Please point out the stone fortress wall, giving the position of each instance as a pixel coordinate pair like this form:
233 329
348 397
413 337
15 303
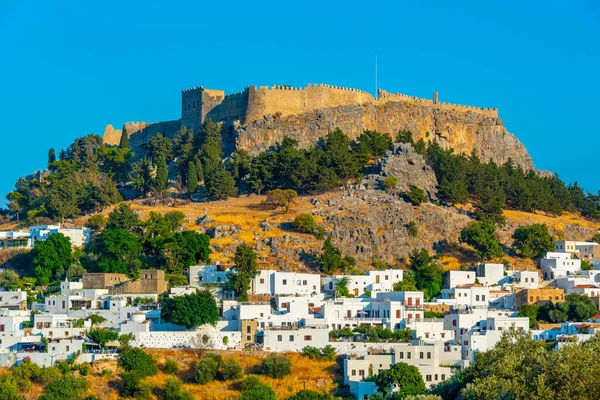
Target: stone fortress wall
254 102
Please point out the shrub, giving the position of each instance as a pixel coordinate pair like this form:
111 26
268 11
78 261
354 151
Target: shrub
65 388
412 229
138 361
390 183
276 366
206 370
305 223
231 369
170 366
254 389
310 395
174 391
320 234
415 196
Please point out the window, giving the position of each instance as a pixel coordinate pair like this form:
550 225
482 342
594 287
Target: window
409 316
421 355
361 372
428 378
397 313
304 283
279 338
401 355
285 281
483 297
262 314
262 280
435 377
353 372
298 282
476 297
308 338
453 322
443 334
291 338
68 348
1 328
349 313
408 356
248 329
248 338
429 355
443 377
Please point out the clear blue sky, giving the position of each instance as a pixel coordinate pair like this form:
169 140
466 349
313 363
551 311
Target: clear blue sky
70 67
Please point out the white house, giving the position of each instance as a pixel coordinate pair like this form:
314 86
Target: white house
295 339
454 278
291 283
491 274
558 265
360 285
584 250
526 279
207 274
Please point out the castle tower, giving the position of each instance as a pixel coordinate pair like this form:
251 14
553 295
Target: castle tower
435 98
197 102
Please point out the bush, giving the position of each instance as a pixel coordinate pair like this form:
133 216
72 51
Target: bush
206 370
66 388
390 183
412 229
305 223
415 196
310 395
174 391
97 222
138 361
231 369
170 366
276 366
254 389
326 353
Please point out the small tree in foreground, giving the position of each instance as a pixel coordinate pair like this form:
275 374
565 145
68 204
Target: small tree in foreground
231 369
276 366
406 378
305 223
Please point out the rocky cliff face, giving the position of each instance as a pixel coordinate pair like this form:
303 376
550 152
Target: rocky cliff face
409 167
461 130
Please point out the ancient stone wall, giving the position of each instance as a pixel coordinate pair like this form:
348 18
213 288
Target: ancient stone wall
102 280
233 107
286 100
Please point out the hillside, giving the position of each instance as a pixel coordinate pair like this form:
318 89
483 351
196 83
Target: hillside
365 224
306 374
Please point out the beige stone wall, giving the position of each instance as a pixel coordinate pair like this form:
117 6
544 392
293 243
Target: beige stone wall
102 280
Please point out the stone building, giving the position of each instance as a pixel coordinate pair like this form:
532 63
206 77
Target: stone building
149 282
539 296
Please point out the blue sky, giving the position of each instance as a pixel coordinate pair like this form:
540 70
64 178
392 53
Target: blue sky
69 67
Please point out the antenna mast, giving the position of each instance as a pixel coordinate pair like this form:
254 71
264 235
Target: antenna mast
376 86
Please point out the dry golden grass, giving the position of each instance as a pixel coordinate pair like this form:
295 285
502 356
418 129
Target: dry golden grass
556 224
306 373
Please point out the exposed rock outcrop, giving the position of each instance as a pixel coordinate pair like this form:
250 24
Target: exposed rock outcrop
409 167
461 130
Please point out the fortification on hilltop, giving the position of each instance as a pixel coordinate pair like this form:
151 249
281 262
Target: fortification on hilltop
259 117
255 102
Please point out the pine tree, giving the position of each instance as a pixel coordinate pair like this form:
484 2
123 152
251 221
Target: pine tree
211 147
192 178
162 174
124 142
51 156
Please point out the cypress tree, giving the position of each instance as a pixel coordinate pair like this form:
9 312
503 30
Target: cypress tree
51 156
199 170
162 174
192 178
124 142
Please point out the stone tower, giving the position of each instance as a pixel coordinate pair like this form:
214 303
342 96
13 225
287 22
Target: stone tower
197 102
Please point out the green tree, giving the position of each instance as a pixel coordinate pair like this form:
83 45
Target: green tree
102 336
162 174
415 196
123 217
310 395
491 203
119 251
405 378
341 288
51 157
206 370
221 184
404 136
481 236
428 275
533 241
281 198
390 183
412 229
192 178
254 389
331 258
66 388
142 176
407 284
96 223
586 265
530 311
190 310
276 366
305 223
138 361
174 390
231 369
211 147
52 257
8 279
124 141
246 265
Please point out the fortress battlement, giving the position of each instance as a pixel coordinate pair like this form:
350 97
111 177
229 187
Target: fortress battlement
255 102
